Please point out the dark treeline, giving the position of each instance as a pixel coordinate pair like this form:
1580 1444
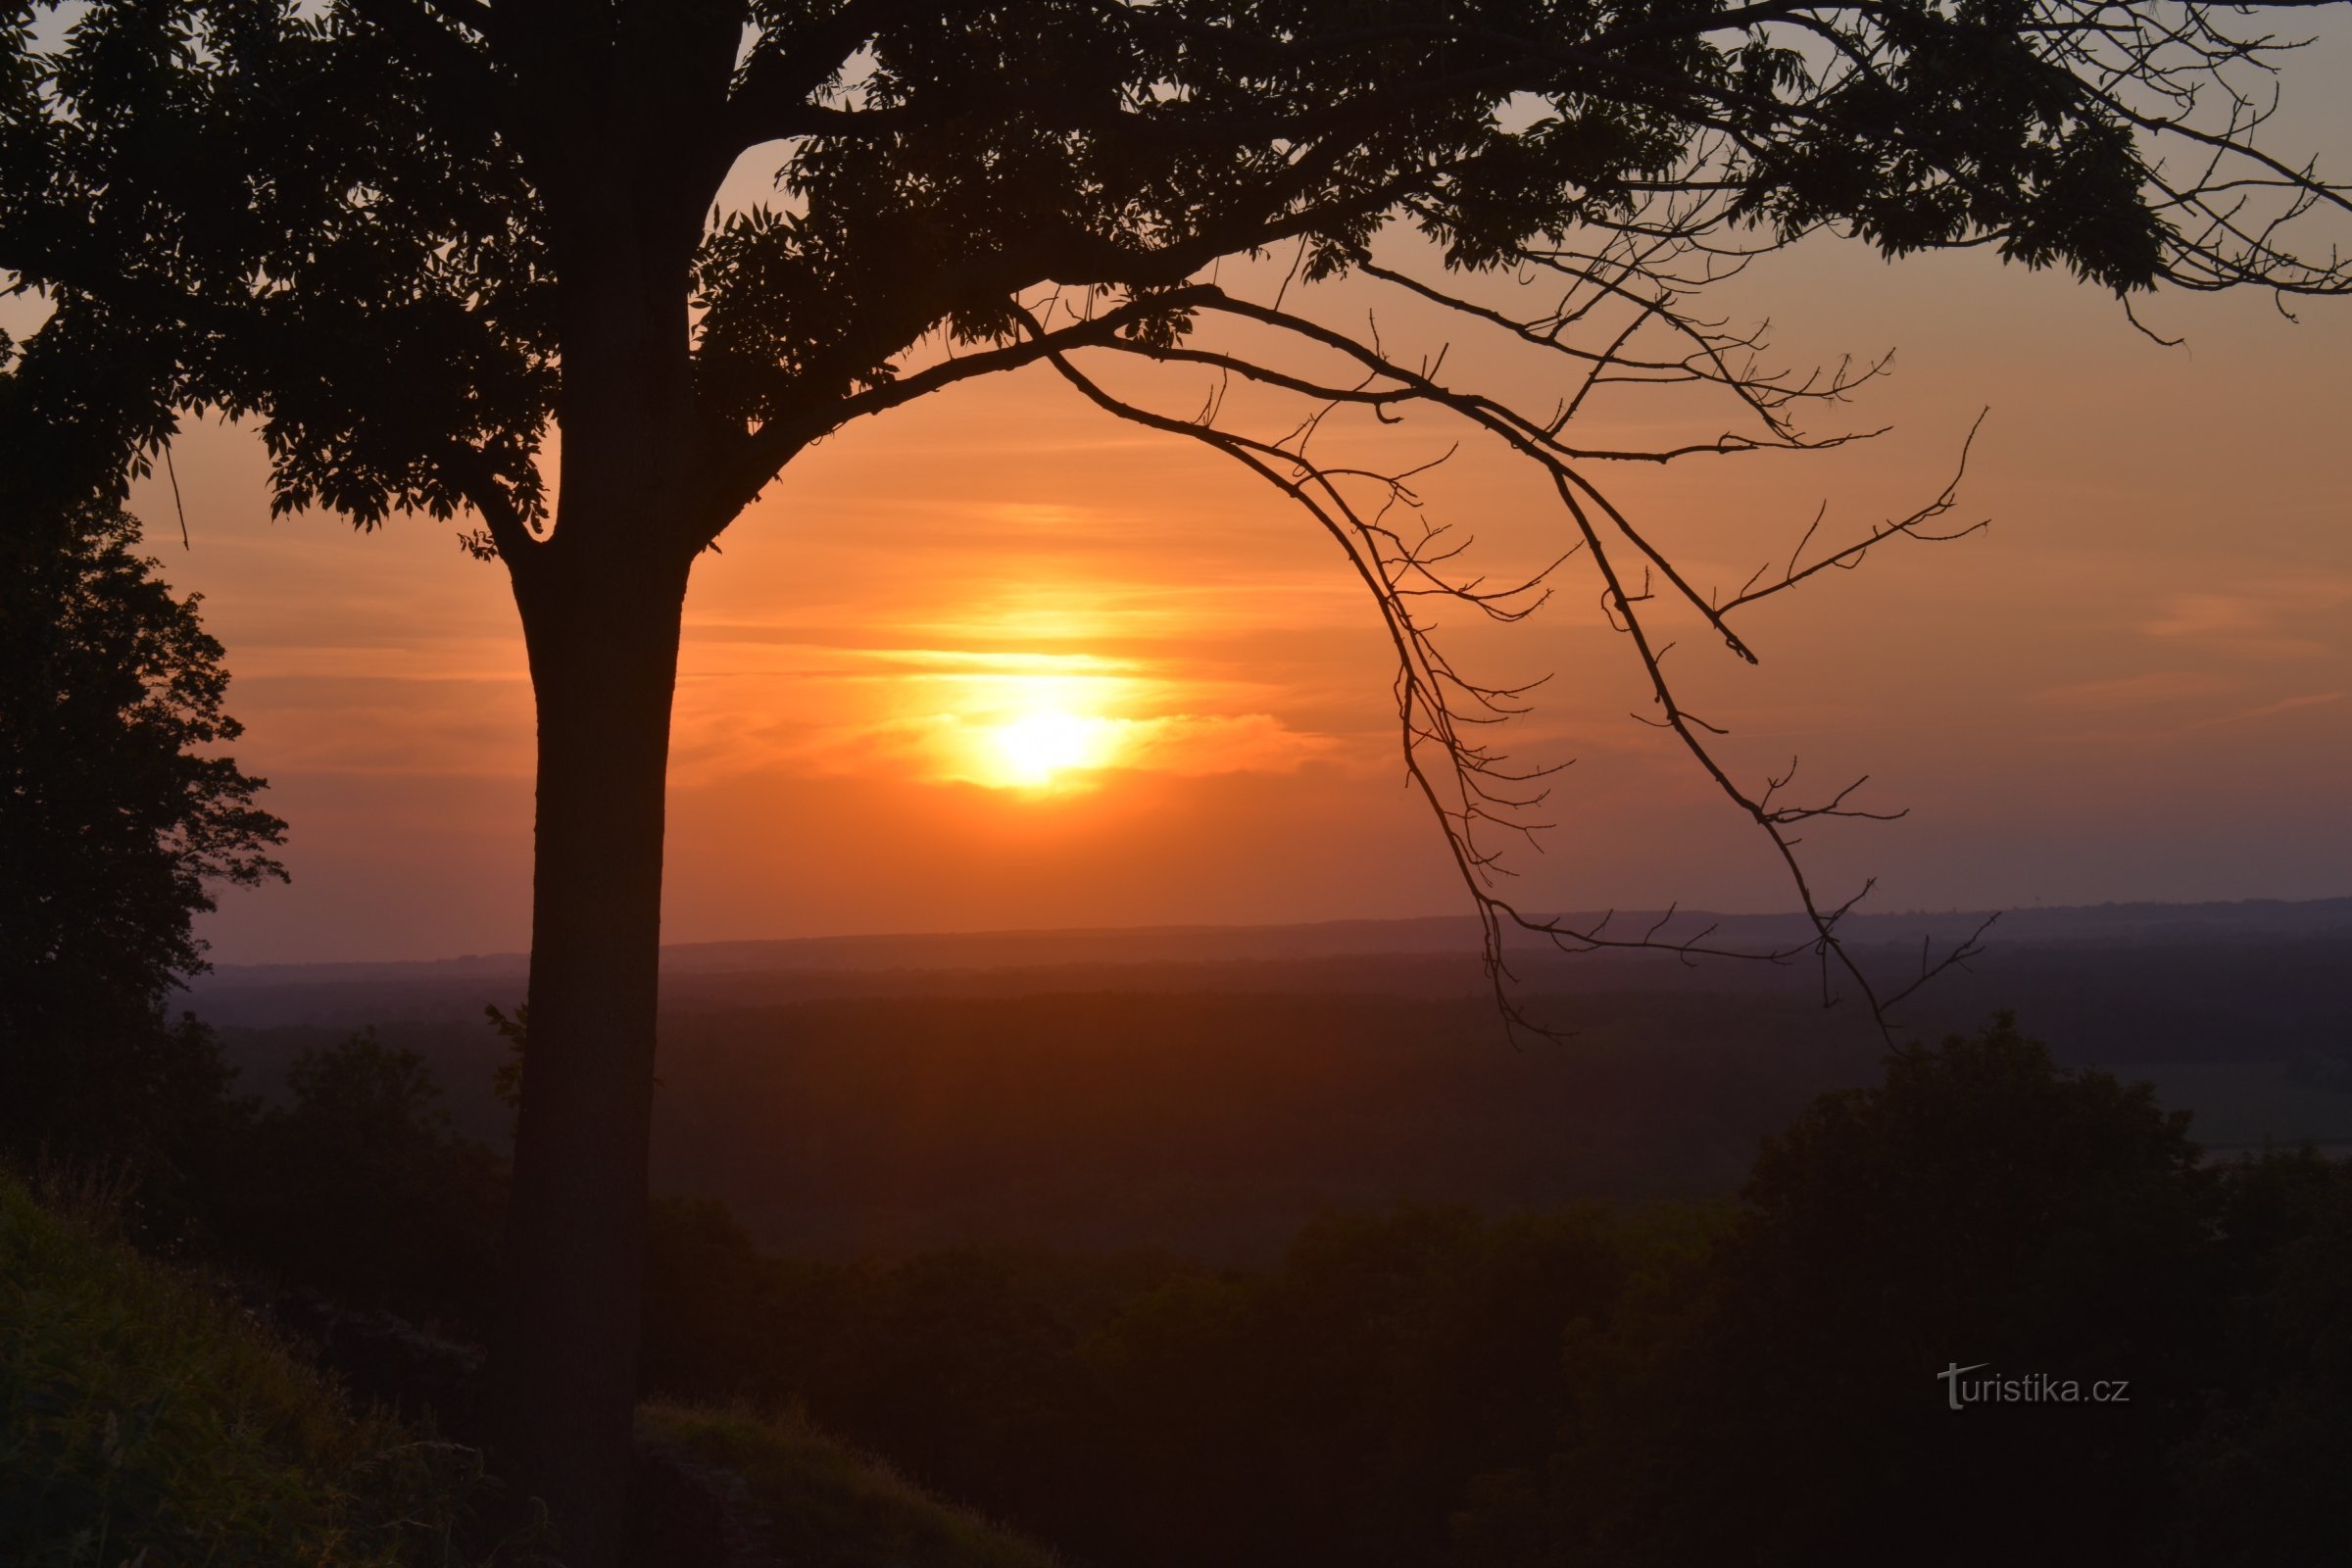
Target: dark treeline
1209 1124
1216 1122
1751 1379
348 1182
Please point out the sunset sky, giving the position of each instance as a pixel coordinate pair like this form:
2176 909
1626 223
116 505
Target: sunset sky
2134 685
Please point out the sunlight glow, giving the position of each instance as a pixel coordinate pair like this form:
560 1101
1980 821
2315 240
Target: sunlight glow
1022 727
1036 749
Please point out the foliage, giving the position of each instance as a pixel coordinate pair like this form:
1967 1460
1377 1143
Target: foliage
116 815
816 1501
234 204
143 1106
1686 1383
144 1419
1335 1408
1340 1406
118 819
506 1082
1981 1208
2263 1474
961 1366
359 1188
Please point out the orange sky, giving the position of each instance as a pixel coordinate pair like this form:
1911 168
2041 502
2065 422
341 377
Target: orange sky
2134 685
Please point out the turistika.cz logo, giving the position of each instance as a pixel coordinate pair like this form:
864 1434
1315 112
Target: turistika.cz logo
2030 1387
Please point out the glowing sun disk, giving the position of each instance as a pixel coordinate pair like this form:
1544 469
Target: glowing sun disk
1038 746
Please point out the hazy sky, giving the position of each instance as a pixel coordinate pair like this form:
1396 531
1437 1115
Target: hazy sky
2134 685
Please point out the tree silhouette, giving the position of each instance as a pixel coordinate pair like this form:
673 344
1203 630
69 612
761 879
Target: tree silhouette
1980 1207
359 1187
410 238
117 817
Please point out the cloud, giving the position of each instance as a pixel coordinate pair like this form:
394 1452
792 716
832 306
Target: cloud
2284 704
2276 618
2156 688
1195 746
941 713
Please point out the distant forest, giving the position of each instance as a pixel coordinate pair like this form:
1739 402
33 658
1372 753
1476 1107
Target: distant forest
1213 1105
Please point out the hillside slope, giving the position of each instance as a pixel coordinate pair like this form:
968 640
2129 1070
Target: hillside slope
145 1418
796 1495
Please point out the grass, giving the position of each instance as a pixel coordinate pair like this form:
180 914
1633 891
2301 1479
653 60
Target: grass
148 1422
144 1419
820 1502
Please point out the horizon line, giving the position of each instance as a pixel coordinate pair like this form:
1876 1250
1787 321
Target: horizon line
1467 919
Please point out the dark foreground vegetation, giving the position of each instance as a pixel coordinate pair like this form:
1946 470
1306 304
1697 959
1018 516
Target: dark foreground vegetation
151 1418
1753 1379
143 1418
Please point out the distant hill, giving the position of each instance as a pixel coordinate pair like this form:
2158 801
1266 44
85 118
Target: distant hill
1446 947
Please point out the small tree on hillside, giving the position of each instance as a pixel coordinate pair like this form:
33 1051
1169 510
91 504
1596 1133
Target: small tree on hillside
409 237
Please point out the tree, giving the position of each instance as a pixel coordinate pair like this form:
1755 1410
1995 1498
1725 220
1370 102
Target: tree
2259 1481
411 237
359 1186
1980 1207
118 817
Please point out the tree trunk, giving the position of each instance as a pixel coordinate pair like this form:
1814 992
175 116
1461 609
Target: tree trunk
602 600
600 620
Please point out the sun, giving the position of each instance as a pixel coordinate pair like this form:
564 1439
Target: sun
1037 731
1042 745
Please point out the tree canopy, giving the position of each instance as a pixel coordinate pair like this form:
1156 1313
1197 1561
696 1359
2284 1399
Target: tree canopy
352 221
119 815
